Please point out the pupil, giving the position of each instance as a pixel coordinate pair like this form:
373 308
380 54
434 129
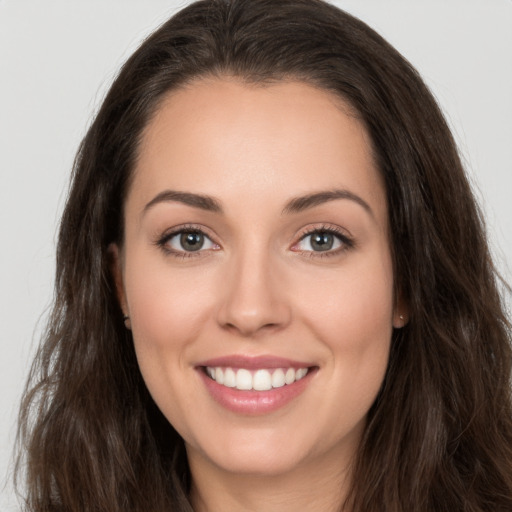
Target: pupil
192 241
322 241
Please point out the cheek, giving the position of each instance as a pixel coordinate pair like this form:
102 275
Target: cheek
354 307
352 315
167 307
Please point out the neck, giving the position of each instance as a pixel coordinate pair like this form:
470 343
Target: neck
320 486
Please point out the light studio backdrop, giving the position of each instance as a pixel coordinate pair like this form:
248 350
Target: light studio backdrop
57 59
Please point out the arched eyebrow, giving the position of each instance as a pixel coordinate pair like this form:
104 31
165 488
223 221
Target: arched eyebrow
200 201
295 205
299 204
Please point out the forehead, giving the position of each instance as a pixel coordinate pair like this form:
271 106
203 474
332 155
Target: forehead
222 137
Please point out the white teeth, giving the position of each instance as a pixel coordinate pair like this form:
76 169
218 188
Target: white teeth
243 379
300 373
219 375
260 380
278 378
229 378
289 376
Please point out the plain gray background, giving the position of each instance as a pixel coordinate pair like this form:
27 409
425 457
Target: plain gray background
57 59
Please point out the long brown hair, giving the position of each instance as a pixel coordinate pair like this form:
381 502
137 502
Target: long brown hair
438 437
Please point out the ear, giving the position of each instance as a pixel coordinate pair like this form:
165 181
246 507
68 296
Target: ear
116 270
400 313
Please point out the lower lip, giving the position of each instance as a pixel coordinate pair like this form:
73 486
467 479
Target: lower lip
255 402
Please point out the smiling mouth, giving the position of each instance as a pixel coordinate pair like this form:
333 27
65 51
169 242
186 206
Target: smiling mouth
255 380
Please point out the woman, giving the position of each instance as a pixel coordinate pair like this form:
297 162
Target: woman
273 286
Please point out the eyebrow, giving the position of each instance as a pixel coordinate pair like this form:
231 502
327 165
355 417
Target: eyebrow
202 202
295 205
302 203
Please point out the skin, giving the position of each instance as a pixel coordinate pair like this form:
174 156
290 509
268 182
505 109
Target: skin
258 288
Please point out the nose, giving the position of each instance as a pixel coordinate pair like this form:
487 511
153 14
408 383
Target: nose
255 298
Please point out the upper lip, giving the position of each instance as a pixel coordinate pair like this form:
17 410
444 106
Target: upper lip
254 362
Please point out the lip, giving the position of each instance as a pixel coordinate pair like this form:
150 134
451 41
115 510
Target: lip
252 402
255 362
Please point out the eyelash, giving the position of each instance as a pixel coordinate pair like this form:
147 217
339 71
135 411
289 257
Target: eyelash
346 242
186 229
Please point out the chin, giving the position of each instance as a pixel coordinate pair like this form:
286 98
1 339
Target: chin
274 452
257 463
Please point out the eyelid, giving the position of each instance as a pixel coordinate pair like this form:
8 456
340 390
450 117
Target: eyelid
346 240
163 239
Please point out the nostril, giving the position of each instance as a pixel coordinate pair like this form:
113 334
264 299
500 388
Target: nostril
250 329
252 307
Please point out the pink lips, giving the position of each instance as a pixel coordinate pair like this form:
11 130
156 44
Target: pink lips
255 362
253 402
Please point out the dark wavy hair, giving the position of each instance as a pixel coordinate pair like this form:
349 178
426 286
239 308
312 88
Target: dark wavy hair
439 435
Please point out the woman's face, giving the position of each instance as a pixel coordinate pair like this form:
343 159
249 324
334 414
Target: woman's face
257 275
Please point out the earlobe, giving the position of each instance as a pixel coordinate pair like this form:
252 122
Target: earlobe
401 313
116 271
400 320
